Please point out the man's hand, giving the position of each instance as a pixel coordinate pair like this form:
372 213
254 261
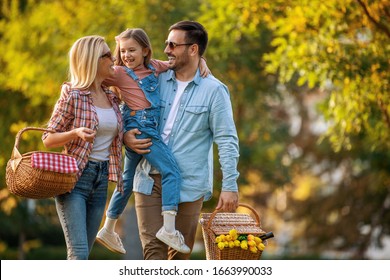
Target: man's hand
228 201
140 146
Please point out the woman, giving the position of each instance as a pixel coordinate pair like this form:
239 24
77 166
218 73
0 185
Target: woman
88 122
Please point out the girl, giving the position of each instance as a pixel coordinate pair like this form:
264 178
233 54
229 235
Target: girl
136 78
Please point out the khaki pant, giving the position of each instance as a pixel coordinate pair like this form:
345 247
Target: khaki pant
148 208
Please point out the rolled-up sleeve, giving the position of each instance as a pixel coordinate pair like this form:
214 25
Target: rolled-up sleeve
225 136
62 115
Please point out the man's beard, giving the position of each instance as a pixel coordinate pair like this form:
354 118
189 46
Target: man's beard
179 63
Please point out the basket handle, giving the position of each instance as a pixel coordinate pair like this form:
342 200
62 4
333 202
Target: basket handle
28 128
239 205
16 157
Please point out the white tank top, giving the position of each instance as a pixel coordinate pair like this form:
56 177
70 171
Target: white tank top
107 130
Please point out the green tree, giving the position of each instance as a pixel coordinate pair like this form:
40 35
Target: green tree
335 52
341 47
289 65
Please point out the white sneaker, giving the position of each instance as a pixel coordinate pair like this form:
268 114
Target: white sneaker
110 240
174 240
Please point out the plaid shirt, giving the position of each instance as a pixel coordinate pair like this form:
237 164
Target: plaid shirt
75 109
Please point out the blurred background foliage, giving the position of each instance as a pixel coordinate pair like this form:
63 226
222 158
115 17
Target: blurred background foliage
309 82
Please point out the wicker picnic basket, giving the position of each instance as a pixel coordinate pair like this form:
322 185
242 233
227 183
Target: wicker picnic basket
26 181
217 223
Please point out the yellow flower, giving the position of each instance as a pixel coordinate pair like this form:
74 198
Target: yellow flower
258 240
237 243
244 245
253 249
231 244
221 245
233 231
218 239
251 243
261 246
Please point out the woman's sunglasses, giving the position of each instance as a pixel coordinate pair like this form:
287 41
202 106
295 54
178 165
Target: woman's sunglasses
107 54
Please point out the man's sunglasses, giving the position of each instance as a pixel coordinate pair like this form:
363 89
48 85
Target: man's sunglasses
107 54
173 45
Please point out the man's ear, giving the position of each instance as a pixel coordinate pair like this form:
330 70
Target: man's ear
194 50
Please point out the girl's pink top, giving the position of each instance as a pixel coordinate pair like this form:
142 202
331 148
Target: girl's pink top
131 94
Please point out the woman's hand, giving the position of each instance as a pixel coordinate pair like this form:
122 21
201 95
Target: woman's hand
140 146
85 133
59 139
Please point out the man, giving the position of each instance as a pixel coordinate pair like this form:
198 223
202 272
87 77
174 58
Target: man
195 113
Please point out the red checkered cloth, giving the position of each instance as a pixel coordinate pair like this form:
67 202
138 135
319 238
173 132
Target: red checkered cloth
54 162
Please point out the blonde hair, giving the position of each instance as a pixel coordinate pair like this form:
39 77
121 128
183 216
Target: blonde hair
83 60
140 36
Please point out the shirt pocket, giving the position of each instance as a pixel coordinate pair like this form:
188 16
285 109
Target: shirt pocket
195 118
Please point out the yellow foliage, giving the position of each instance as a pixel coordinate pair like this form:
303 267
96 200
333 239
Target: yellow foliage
31 244
3 246
304 185
8 202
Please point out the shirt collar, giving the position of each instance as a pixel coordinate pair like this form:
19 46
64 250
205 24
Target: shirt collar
196 80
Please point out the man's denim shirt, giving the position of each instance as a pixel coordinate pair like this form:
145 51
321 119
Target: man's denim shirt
204 116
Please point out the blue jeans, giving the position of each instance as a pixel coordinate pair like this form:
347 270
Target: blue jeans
159 157
81 211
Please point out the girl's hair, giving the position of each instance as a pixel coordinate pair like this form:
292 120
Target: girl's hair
138 35
84 56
